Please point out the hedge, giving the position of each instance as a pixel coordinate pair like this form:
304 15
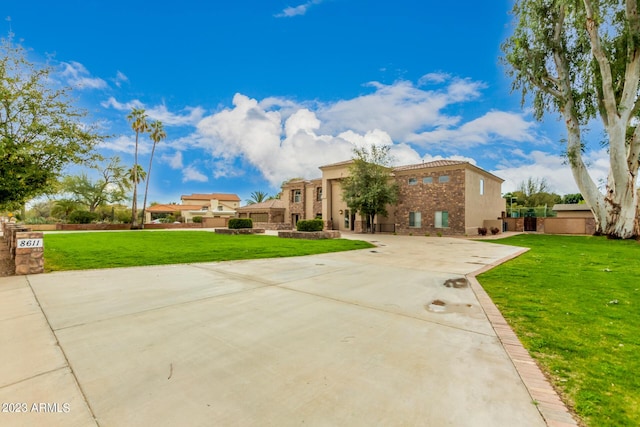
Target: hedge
82 217
310 225
236 223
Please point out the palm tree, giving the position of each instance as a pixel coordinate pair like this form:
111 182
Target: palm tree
138 120
63 208
257 197
157 134
137 175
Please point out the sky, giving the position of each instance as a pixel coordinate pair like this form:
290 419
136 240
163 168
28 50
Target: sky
255 92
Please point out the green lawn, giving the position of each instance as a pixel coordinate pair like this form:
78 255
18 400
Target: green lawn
81 251
575 304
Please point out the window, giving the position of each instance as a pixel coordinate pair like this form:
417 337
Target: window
442 219
220 207
427 180
347 224
413 181
319 194
297 196
481 187
443 178
415 219
205 208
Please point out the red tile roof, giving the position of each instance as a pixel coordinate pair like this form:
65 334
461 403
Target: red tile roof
433 164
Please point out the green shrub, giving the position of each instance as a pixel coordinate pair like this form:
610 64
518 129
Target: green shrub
197 219
236 223
82 217
310 225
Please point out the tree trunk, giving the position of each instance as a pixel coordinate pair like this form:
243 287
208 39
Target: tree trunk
134 202
622 214
146 186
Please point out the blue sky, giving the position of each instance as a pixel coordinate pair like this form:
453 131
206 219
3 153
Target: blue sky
254 92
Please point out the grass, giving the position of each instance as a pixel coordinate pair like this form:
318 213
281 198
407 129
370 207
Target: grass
575 304
82 251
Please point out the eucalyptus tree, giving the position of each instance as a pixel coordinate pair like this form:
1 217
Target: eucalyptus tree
41 132
157 134
581 59
138 120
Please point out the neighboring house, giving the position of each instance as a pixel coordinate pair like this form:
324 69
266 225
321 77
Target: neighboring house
218 206
572 210
445 196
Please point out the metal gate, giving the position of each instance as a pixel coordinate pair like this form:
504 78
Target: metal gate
530 223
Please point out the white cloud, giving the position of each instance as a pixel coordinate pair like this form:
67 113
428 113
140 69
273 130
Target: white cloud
191 116
292 11
552 168
483 130
174 162
279 148
79 77
431 78
127 106
400 109
284 138
190 173
120 78
126 144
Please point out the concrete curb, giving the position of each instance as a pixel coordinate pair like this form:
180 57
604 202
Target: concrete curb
549 404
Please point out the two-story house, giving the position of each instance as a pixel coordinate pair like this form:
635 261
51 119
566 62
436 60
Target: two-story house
445 197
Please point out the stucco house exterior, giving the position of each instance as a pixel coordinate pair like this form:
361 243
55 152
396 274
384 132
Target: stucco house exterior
445 197
216 208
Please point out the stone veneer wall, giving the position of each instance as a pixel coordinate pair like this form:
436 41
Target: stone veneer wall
28 260
297 207
429 198
273 225
310 235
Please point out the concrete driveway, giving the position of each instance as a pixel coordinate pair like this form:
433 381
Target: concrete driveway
361 338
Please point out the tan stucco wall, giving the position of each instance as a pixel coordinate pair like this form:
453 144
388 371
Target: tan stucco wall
574 214
481 207
566 225
337 206
332 202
